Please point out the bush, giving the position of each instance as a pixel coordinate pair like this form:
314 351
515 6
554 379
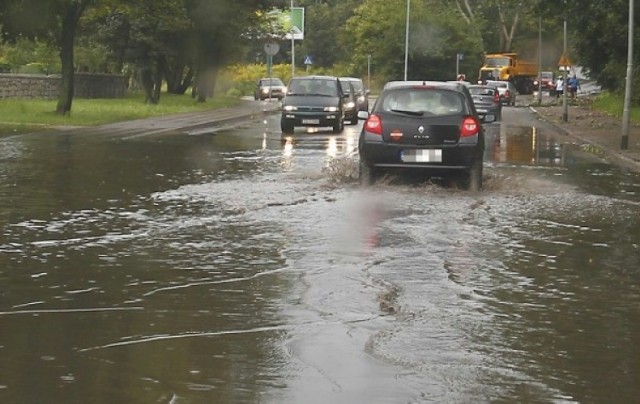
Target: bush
33 68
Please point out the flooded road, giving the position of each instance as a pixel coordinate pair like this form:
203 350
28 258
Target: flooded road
233 267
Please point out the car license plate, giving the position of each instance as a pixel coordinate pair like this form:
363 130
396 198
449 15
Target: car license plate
310 121
422 156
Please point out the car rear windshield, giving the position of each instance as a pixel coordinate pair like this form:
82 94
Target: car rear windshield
421 101
482 91
313 86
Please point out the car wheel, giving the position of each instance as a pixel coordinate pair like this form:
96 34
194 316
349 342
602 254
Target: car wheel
474 176
354 119
338 127
366 174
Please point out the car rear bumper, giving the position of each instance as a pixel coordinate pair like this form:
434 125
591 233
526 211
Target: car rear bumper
388 155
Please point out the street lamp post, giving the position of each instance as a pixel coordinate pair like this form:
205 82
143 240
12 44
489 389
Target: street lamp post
565 113
406 42
539 57
626 113
293 47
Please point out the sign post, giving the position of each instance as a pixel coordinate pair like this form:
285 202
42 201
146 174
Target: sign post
270 48
294 26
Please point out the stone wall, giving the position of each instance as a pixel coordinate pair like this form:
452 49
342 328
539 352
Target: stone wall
42 86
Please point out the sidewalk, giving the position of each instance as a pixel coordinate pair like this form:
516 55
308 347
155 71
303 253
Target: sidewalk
190 123
602 131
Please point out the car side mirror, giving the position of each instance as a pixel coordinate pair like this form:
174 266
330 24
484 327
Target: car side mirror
363 114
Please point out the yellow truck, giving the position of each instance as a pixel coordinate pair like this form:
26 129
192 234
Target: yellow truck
508 67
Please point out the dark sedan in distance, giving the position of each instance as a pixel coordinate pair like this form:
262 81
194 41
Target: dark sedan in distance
487 100
270 87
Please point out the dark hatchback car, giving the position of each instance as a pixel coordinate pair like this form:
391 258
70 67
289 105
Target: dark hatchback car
350 104
361 92
423 126
270 87
487 100
315 101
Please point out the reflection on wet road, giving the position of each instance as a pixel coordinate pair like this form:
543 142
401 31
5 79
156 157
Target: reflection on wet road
238 267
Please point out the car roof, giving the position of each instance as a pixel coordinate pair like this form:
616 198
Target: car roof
350 78
451 85
315 77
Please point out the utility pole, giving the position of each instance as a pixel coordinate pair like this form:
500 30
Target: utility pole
626 113
406 42
539 56
293 47
565 113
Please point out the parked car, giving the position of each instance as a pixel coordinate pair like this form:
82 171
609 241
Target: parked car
429 127
487 100
546 80
270 87
361 91
351 102
313 101
506 89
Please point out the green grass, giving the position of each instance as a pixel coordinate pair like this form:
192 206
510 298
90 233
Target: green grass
614 105
22 115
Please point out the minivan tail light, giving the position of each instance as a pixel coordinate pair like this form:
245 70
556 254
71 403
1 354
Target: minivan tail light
373 124
496 97
470 127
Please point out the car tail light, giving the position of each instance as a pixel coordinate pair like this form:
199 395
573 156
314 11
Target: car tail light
496 97
470 127
374 125
506 94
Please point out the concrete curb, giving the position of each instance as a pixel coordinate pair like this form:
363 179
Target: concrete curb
598 149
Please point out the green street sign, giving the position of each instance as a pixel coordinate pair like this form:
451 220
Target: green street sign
293 23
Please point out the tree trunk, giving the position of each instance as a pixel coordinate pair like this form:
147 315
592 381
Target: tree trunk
65 98
70 19
147 79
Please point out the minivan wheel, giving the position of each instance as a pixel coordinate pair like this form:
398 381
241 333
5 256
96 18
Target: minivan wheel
286 128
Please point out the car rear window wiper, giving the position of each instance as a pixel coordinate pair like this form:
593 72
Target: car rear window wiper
414 113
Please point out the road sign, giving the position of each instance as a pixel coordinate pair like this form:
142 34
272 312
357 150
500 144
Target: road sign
564 61
308 60
294 23
271 48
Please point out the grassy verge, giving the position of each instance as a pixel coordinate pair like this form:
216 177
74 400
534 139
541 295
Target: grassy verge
21 115
614 105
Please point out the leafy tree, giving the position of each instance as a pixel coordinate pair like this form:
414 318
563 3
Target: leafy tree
437 35
57 20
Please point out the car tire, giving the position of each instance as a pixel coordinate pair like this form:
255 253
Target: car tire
474 176
366 174
286 128
354 120
338 127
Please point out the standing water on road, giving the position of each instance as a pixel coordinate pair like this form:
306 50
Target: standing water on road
234 267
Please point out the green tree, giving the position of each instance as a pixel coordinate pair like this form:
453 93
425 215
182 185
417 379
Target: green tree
437 35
